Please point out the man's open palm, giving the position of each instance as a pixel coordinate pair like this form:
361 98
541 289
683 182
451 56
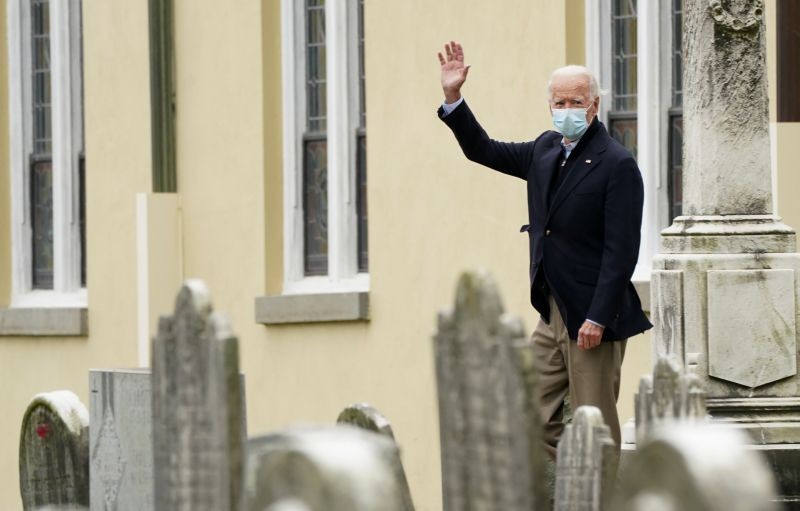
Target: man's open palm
454 72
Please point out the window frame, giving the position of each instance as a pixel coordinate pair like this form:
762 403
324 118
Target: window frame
67 146
341 20
654 91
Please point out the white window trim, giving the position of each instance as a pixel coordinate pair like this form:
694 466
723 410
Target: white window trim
343 274
67 133
654 64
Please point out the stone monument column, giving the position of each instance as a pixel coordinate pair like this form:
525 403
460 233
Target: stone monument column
725 285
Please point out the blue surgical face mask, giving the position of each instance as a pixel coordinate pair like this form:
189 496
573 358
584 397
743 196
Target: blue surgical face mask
570 122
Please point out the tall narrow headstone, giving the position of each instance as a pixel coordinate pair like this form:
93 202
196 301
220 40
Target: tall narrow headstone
54 452
197 407
697 468
725 286
491 432
586 465
668 396
121 440
366 417
341 468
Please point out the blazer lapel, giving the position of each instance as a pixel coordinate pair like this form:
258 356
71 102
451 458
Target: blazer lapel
548 165
585 161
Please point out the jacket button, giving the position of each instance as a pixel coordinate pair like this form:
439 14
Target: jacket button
547 232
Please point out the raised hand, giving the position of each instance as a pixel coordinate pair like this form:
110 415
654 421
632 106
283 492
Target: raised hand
454 72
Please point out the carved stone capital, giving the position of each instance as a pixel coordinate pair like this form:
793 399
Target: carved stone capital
735 23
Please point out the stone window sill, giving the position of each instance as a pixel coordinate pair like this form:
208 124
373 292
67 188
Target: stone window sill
44 322
312 308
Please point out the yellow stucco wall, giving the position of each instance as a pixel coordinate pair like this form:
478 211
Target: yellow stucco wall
788 158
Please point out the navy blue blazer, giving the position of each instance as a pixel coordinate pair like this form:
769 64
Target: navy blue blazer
584 235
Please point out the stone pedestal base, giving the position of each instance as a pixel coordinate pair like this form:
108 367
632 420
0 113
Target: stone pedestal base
725 292
724 298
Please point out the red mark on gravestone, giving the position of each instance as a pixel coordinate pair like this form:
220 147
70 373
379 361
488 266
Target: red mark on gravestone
43 429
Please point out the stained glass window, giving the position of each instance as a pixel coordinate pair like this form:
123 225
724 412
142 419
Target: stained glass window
622 116
315 143
361 151
675 132
41 174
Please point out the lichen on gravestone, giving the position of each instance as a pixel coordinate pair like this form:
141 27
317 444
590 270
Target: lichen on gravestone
365 416
54 452
586 465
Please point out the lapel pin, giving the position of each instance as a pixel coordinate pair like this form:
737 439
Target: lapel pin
588 161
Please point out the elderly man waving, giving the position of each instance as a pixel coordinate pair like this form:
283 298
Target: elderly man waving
585 199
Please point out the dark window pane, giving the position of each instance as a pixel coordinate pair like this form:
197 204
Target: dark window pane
315 144
82 214
315 206
624 129
41 182
675 174
40 79
316 70
623 57
677 55
41 169
82 163
362 101
361 201
361 151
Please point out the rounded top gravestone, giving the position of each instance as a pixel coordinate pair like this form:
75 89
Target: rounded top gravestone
697 468
54 451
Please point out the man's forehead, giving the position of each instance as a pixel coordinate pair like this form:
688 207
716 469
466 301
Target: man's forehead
570 85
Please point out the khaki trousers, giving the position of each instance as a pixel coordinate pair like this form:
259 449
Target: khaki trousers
590 376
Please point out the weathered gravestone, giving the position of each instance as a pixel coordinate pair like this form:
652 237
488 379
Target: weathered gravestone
586 465
367 417
121 440
197 408
491 432
697 468
54 452
668 396
338 468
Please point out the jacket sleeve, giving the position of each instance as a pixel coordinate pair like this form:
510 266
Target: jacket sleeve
506 157
622 233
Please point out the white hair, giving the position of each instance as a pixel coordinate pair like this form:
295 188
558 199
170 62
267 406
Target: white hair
573 70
